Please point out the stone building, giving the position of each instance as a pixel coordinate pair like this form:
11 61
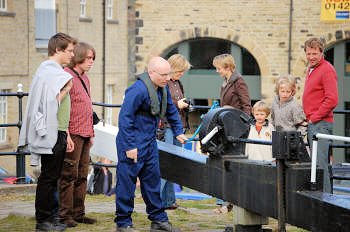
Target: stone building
25 29
265 37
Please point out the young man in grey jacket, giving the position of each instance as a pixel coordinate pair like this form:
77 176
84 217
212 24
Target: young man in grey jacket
44 128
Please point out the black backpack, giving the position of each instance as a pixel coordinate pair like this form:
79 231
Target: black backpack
96 187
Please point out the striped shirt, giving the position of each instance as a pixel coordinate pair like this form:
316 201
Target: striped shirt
177 93
80 122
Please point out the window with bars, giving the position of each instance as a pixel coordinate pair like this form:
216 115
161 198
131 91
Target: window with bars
109 100
347 131
83 8
347 59
109 9
45 22
203 51
201 81
3 5
3 115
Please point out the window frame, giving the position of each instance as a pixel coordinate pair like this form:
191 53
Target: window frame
83 4
44 11
3 5
109 9
109 100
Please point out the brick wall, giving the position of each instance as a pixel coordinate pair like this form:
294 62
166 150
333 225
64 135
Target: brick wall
20 58
262 27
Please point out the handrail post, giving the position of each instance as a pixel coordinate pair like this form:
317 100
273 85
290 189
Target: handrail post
20 158
315 139
313 163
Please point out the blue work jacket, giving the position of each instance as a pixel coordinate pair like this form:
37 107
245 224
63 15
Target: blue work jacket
137 129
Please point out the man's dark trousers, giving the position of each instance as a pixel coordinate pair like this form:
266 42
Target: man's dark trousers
51 166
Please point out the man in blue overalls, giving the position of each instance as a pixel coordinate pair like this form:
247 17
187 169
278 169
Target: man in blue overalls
145 102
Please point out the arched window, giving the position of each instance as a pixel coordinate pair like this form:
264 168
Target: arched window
202 81
339 56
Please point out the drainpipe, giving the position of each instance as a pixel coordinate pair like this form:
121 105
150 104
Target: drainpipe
67 17
290 35
103 57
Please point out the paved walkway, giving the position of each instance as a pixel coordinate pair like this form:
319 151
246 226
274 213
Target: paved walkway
26 208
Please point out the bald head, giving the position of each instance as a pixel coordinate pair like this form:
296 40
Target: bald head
159 71
157 62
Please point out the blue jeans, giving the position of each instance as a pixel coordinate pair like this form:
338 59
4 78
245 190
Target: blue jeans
322 127
167 192
219 201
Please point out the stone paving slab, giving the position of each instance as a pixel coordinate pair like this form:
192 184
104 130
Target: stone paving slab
8 188
26 208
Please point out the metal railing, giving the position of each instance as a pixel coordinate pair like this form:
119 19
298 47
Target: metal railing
314 152
20 153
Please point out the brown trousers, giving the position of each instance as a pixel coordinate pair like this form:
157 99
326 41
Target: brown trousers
72 184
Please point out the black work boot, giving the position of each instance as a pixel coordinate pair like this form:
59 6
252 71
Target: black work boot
163 226
49 226
85 220
126 229
70 223
43 226
57 224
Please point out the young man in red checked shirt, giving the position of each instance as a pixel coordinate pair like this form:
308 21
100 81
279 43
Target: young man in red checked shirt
319 100
72 186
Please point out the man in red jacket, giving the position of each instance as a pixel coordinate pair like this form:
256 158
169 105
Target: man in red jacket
319 100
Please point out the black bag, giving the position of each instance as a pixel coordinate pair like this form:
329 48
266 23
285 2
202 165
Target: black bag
98 181
161 134
95 118
161 130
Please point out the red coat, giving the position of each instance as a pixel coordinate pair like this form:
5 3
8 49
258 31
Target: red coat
320 93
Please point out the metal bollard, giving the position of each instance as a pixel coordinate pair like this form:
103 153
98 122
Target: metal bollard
20 158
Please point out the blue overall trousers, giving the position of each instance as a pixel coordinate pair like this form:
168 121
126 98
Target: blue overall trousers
137 129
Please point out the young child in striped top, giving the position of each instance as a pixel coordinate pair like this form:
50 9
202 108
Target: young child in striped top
261 130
